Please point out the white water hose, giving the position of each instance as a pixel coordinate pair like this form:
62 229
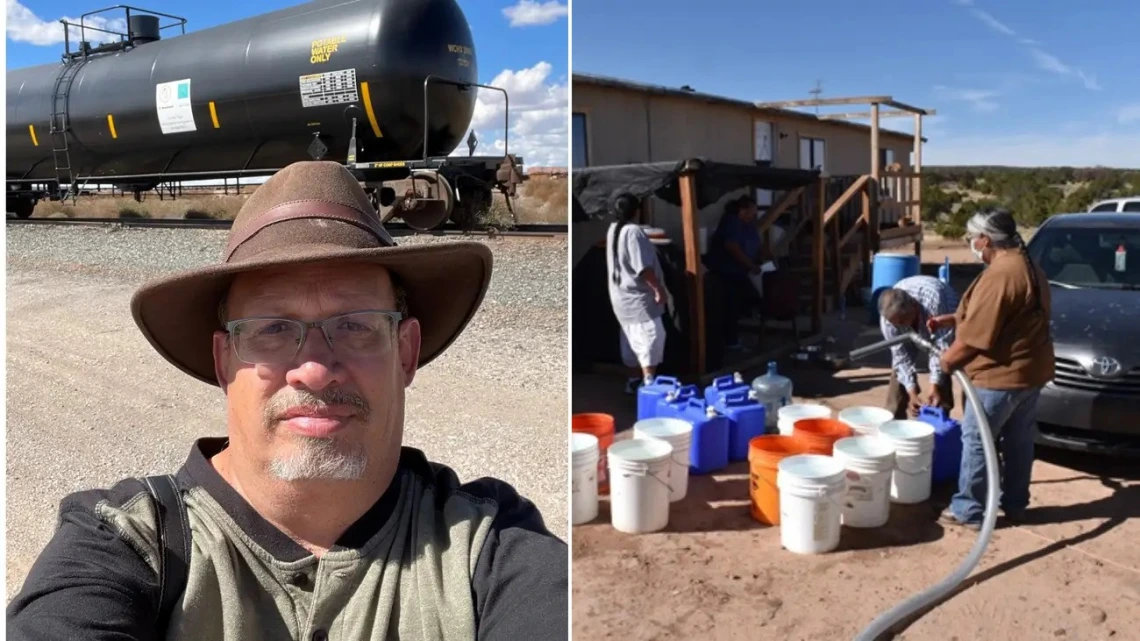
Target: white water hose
885 621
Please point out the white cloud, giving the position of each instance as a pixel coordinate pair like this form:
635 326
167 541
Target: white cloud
993 22
1105 149
529 13
981 100
1053 64
1128 114
1045 60
538 117
26 26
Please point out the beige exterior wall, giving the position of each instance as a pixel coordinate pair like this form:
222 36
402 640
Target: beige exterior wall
624 126
846 151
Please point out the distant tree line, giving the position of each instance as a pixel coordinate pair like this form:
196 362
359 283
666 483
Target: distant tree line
950 195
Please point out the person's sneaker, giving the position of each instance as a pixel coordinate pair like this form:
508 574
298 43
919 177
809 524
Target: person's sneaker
947 518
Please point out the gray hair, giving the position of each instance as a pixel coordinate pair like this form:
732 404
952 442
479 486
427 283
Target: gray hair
998 225
895 302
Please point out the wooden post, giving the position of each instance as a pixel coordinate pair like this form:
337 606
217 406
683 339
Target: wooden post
837 251
817 255
693 273
917 182
868 239
875 168
873 221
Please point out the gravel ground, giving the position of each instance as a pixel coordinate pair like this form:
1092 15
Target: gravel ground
90 402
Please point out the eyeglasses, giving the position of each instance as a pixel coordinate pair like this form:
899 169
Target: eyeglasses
270 341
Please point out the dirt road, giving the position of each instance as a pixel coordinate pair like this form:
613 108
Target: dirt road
715 573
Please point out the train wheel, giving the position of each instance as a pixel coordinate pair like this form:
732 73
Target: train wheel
22 207
429 205
470 207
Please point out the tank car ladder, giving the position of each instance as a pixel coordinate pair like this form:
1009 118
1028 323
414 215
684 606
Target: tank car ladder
60 126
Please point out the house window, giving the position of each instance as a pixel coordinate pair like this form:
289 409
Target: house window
812 154
762 143
580 143
886 158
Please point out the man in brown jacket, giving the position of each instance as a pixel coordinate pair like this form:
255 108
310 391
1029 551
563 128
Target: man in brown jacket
311 520
1003 344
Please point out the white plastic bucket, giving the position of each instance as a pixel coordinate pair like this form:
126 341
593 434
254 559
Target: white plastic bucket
866 420
913 442
639 484
789 414
869 462
811 502
584 477
679 434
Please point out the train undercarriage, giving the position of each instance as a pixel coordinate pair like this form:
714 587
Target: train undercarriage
425 195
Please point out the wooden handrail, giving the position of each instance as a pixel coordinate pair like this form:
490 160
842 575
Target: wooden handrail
770 216
855 188
859 222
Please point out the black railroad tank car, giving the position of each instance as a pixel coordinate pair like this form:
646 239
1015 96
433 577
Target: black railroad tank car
248 95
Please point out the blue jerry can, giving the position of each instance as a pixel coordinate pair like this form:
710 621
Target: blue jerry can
724 385
708 451
947 453
745 421
673 403
648 395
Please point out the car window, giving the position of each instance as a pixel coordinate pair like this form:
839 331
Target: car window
1099 257
1105 207
1132 205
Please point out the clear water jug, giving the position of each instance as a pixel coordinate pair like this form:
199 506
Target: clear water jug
773 392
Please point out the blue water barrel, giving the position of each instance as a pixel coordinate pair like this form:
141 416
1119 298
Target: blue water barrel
708 451
886 270
648 395
745 421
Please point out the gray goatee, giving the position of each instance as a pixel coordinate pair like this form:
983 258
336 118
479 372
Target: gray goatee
317 458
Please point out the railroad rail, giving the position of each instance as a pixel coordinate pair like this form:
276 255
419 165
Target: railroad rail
395 228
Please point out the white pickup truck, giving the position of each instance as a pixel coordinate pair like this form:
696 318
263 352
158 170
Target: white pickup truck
1130 203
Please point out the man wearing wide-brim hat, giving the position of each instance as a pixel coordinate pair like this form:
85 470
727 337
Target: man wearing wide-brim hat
310 521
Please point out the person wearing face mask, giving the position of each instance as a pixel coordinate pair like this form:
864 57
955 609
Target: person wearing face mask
1003 344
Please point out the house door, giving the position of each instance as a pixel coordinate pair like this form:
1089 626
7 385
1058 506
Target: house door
762 144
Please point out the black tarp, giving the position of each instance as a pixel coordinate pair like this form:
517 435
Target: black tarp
596 332
594 188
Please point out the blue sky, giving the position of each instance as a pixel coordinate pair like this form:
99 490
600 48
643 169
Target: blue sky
1018 82
520 45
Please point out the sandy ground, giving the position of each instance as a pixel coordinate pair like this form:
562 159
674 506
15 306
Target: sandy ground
90 402
1073 572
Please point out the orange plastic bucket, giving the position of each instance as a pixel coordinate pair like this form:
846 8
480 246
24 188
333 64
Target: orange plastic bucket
601 426
820 434
764 456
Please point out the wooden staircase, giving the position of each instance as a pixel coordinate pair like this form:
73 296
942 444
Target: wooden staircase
833 264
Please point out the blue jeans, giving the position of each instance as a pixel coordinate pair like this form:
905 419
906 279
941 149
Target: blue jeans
1012 415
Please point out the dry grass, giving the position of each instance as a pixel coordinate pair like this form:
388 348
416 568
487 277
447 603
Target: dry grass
107 206
542 199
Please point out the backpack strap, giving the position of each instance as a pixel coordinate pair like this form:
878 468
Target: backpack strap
174 537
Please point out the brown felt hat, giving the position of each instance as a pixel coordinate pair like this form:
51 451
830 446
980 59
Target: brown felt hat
306 213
